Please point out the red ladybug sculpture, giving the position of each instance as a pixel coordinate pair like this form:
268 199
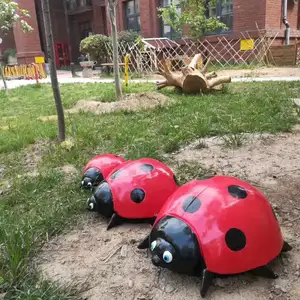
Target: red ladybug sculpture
135 191
98 168
218 226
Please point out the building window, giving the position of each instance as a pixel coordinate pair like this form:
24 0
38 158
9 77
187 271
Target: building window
166 30
85 29
224 12
132 15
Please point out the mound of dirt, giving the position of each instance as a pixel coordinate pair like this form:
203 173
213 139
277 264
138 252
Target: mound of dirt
107 265
131 102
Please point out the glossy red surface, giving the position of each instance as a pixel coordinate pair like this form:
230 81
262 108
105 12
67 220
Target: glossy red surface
105 163
158 184
219 212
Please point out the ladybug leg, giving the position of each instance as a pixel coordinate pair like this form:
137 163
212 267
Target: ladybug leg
144 244
207 278
265 272
286 247
114 221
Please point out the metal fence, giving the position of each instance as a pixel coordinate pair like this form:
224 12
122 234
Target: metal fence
146 56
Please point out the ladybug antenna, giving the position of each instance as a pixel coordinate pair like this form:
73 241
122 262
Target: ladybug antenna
286 247
114 221
265 272
207 278
144 244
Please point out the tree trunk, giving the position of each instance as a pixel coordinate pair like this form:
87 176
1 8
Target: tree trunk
72 64
191 80
4 81
113 22
53 73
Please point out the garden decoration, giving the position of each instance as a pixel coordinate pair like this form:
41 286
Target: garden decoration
216 227
98 168
191 80
135 192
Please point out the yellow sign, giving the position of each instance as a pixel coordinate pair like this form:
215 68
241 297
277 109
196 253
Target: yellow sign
247 45
39 60
126 69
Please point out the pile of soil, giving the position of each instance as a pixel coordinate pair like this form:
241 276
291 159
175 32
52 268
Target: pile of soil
131 102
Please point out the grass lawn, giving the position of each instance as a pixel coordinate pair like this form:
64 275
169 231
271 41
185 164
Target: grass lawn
37 208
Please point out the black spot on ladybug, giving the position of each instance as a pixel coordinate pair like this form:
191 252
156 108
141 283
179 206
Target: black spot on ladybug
191 204
147 168
116 174
235 239
237 192
137 195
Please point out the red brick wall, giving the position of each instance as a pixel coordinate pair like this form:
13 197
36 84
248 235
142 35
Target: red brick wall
27 44
275 15
99 19
247 15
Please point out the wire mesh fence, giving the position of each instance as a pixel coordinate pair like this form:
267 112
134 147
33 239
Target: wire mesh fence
146 56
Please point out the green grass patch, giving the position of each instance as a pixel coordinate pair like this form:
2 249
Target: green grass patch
37 208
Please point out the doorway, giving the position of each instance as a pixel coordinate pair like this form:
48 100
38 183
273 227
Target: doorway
62 54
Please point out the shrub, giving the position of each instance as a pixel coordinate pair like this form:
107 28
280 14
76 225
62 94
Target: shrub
128 37
97 46
7 53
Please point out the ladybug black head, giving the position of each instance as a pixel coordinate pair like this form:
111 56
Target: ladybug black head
102 200
91 204
174 246
92 177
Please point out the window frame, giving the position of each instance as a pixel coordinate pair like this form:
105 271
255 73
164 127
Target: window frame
136 15
173 34
219 15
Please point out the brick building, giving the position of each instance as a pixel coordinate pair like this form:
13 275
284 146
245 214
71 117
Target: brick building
89 16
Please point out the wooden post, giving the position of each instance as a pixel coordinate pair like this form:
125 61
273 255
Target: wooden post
126 75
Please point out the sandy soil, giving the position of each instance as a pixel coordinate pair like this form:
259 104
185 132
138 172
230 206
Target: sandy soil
107 265
259 72
130 102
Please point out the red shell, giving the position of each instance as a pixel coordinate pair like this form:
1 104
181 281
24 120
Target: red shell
220 212
105 163
152 176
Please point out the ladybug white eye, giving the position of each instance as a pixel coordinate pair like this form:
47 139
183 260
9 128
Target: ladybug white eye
153 245
82 182
91 206
167 257
89 184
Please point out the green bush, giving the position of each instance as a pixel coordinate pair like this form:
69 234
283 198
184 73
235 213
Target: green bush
7 53
97 46
128 37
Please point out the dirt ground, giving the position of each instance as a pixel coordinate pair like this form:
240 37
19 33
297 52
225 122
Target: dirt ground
130 102
258 72
107 265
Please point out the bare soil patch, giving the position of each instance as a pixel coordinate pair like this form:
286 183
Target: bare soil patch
130 102
259 72
69 172
106 265
33 155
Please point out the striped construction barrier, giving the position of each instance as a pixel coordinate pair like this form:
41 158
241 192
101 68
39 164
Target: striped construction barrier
30 72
